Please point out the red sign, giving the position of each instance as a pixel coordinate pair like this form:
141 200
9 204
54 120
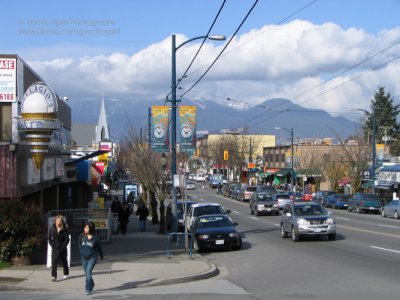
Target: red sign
100 166
251 165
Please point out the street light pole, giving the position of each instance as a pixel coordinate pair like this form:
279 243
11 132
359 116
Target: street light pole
174 102
291 156
373 134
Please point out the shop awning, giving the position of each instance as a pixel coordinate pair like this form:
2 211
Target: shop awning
309 172
344 181
387 185
270 171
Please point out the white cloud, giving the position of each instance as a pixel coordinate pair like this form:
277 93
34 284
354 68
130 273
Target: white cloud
272 61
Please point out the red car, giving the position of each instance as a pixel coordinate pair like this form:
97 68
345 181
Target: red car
307 197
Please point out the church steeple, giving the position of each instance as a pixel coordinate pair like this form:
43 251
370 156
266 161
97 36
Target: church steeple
102 132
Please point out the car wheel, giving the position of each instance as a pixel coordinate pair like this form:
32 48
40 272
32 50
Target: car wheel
383 213
284 234
332 236
295 236
257 213
396 215
358 210
251 212
334 206
349 209
239 245
277 213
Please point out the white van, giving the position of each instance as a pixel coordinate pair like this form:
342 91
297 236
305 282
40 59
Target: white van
200 177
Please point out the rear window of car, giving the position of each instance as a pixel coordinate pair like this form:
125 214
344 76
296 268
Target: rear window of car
214 221
370 197
309 210
251 188
208 210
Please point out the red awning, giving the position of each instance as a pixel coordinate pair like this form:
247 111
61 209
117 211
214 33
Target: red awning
344 181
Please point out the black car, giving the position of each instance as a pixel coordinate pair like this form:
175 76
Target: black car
228 188
180 204
214 232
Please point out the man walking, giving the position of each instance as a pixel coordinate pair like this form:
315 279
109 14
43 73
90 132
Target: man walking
143 213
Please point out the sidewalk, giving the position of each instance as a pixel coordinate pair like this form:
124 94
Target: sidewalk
137 259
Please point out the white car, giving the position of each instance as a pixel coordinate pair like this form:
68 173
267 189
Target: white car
201 209
200 177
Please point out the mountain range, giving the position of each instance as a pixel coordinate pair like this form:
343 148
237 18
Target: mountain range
214 117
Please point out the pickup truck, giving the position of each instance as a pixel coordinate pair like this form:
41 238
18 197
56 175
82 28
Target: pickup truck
364 203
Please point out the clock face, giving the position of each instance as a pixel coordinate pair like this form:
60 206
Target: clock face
186 131
159 132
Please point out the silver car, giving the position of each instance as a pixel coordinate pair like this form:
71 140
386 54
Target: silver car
263 203
392 209
301 219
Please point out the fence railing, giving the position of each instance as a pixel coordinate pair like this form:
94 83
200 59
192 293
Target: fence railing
77 218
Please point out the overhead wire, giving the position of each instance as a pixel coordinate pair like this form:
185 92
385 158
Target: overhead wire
223 49
198 51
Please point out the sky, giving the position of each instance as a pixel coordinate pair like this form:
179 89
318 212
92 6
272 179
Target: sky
325 54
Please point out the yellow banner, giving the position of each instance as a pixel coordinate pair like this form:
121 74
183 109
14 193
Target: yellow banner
187 132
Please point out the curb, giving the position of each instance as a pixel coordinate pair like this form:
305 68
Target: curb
213 271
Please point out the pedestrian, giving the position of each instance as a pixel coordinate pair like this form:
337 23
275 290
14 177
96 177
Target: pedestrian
115 205
123 217
169 218
143 213
131 201
89 247
219 188
58 240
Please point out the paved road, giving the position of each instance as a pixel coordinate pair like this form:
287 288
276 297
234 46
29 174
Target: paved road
363 263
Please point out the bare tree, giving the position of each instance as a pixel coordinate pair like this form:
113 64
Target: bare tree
148 168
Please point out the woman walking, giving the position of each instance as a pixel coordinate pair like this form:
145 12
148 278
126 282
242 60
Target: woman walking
58 240
89 246
123 217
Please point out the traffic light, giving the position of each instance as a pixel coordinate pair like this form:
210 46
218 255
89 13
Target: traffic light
226 155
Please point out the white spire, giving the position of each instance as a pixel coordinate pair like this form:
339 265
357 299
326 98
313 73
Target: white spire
102 125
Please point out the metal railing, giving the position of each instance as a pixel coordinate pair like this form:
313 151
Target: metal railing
77 218
177 234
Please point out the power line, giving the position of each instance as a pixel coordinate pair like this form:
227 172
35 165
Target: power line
222 51
198 51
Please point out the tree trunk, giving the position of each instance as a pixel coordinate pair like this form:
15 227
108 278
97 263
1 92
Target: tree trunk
153 204
163 227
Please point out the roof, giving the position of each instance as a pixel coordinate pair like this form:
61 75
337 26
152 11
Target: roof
205 204
83 135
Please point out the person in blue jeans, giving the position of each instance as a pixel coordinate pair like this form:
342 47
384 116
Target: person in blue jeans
89 247
143 213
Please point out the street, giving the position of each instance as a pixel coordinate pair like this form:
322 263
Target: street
361 264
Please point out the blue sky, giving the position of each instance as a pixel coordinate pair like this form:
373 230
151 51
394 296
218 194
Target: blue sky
132 60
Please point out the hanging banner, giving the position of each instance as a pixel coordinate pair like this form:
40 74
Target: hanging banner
187 129
159 128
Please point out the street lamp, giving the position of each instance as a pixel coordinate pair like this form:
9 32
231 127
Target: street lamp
291 162
373 134
173 115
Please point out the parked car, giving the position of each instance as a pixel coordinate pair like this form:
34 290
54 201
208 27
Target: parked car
361 202
190 185
200 177
215 231
282 199
246 192
228 188
180 209
201 209
296 196
320 196
392 209
191 176
301 219
337 201
306 197
263 203
235 191
215 180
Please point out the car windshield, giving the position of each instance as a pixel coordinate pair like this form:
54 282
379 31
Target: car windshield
212 221
264 197
208 210
251 188
309 210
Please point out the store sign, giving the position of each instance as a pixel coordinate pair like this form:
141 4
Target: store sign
108 146
8 79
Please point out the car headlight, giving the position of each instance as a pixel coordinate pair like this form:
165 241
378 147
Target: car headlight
330 221
233 234
302 221
203 236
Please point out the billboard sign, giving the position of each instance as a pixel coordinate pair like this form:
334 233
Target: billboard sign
8 79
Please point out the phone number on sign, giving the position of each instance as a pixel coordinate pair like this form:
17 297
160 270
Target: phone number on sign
6 96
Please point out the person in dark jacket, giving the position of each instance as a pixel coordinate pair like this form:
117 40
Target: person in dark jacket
58 240
143 213
89 247
123 217
115 205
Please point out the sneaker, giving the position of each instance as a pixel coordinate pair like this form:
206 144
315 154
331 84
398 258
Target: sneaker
89 292
53 278
65 276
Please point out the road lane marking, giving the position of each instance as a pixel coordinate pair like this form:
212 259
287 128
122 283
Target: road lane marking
236 212
201 199
368 231
279 225
341 218
255 218
385 249
382 225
